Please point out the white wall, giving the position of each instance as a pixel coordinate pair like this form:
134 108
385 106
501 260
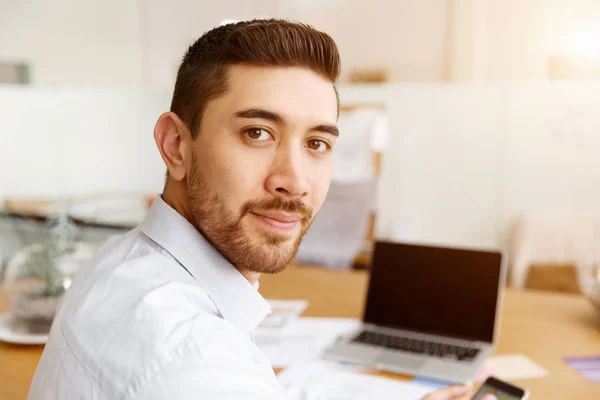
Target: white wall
444 172
463 161
512 40
72 42
427 40
406 36
171 26
133 43
61 142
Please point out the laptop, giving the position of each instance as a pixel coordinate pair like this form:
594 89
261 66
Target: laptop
430 311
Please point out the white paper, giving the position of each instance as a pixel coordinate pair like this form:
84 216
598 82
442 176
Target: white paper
322 380
283 313
514 366
303 340
363 132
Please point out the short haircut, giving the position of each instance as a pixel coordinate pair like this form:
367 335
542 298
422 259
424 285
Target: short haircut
263 42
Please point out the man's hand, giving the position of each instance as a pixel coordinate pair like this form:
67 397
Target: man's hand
456 392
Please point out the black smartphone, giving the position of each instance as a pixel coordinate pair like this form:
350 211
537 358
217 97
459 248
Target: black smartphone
500 389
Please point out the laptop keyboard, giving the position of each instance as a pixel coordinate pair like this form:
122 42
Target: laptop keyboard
412 345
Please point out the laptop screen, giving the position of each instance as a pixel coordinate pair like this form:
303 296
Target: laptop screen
443 291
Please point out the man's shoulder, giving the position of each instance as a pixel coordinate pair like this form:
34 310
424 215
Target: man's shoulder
133 283
133 261
131 311
147 316
132 286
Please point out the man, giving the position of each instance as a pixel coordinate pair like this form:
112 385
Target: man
166 312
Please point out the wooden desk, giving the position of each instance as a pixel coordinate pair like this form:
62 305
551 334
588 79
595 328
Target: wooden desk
544 326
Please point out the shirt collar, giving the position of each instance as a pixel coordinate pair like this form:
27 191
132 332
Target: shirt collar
236 299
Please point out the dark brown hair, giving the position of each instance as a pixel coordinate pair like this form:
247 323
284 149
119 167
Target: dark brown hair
269 42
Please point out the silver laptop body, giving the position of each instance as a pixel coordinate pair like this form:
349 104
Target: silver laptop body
431 311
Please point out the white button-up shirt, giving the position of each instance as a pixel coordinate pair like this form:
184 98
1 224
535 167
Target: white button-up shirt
160 314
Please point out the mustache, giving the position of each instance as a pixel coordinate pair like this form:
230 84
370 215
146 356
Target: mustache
278 204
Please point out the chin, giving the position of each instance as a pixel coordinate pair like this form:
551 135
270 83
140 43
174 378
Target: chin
271 258
273 270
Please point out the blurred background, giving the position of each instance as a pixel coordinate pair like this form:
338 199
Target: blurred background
468 123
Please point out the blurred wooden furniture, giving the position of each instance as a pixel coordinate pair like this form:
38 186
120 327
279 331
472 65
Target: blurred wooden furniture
369 75
34 207
17 365
544 326
40 207
551 241
555 278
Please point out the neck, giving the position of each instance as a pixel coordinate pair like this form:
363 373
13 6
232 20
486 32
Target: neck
176 197
252 277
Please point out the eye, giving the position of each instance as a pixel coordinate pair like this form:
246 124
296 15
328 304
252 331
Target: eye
258 134
318 145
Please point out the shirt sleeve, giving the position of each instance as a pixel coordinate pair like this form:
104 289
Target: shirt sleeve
194 378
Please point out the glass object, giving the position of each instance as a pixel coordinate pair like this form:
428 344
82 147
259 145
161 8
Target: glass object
39 274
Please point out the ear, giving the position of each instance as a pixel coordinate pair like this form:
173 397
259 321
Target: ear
172 137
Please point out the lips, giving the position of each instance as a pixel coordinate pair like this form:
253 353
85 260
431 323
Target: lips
280 216
278 220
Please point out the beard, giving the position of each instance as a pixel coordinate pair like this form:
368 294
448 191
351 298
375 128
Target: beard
266 252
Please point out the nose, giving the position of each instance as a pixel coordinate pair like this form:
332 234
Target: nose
287 178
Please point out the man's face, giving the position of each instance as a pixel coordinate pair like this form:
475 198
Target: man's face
261 164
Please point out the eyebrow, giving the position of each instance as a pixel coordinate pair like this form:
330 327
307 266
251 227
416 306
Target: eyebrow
331 129
258 113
